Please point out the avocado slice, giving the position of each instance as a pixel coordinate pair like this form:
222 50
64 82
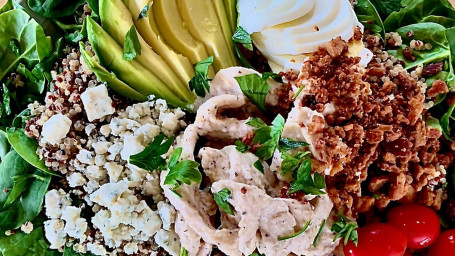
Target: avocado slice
117 20
171 27
131 72
202 20
149 31
108 77
223 19
231 10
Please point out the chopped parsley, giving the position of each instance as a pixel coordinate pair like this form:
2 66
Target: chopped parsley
185 171
200 82
287 144
241 147
132 46
144 12
316 238
221 199
296 234
255 88
304 182
274 76
258 165
151 158
241 36
345 229
298 92
183 251
267 137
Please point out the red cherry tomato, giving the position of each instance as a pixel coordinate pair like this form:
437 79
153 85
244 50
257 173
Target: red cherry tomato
420 223
445 245
379 239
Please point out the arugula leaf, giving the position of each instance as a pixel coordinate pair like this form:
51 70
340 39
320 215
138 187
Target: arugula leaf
255 88
316 238
345 229
221 199
183 251
200 82
242 37
287 144
258 165
369 17
267 136
242 148
445 123
151 158
307 224
182 172
144 12
132 46
55 8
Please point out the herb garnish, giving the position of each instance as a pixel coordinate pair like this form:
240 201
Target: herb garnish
274 76
144 12
267 136
258 165
296 234
255 88
304 182
221 199
241 36
345 229
241 147
183 252
151 158
298 92
181 172
316 238
200 82
132 46
287 144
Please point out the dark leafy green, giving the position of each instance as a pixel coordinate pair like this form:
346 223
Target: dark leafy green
183 251
151 158
386 7
26 147
255 88
307 224
445 122
36 79
369 17
132 46
221 199
69 251
55 8
274 76
200 82
267 137
242 37
345 229
4 145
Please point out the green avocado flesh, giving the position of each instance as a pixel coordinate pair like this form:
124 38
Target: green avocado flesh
117 20
131 72
173 35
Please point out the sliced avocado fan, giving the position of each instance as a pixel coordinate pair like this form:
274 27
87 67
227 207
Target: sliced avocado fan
117 20
149 31
131 72
176 34
108 77
231 10
203 23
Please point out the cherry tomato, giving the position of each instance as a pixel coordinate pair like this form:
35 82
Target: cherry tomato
379 239
445 245
420 223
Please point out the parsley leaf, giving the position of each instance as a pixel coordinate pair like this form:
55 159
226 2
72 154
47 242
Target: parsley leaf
258 165
256 123
183 252
267 136
274 76
287 144
316 238
255 88
221 199
296 234
291 163
241 36
185 171
445 122
132 46
345 229
304 182
144 12
151 158
200 82
241 147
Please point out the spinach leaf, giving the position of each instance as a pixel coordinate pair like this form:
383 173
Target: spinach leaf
94 6
221 199
132 46
369 17
55 8
69 251
36 79
386 7
255 88
200 82
26 147
416 11
151 158
7 6
4 145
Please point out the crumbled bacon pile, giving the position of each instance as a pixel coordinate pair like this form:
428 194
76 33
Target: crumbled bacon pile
376 138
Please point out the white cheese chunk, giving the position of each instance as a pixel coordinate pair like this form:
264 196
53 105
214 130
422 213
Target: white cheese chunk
97 102
55 202
76 179
169 240
55 233
75 225
56 128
